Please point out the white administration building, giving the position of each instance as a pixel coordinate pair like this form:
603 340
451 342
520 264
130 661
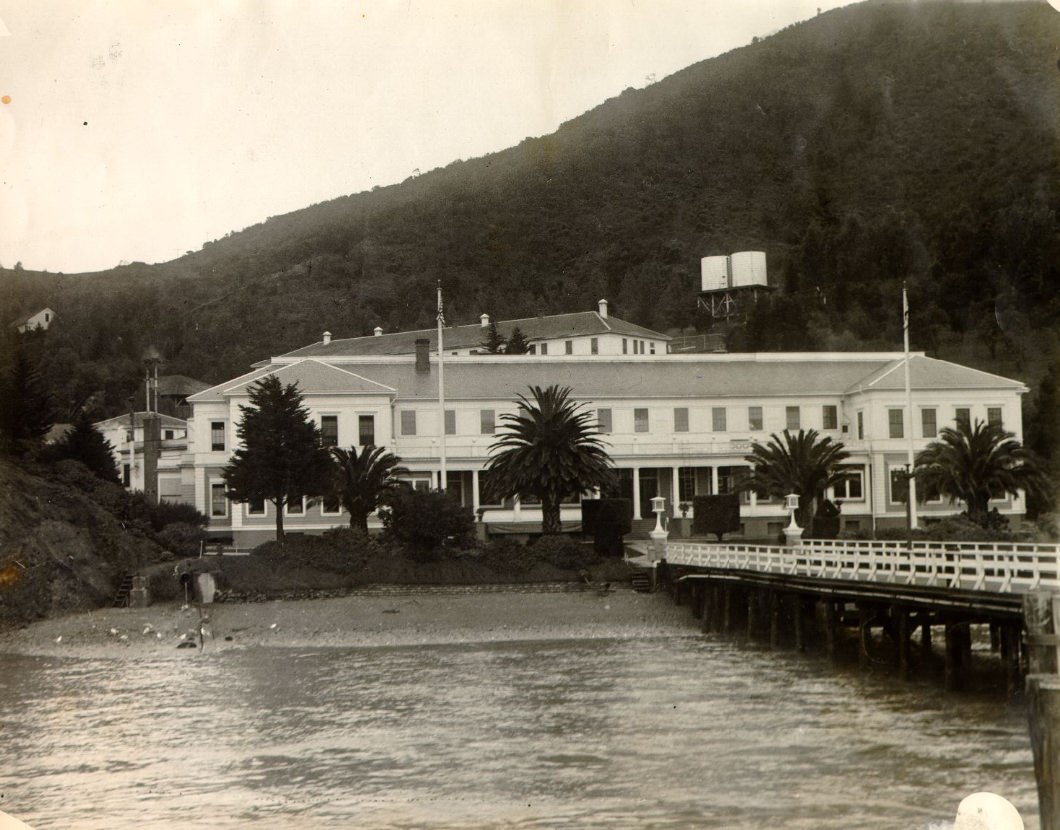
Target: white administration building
677 425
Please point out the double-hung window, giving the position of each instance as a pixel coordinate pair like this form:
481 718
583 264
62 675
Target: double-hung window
896 423
754 418
366 430
929 423
830 417
329 430
408 421
640 420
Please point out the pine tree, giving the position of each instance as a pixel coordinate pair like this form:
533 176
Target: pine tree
86 444
494 343
281 459
517 342
26 412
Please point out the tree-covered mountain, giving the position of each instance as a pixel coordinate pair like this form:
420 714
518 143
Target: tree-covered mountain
873 144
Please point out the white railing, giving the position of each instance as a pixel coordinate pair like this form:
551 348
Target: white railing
971 566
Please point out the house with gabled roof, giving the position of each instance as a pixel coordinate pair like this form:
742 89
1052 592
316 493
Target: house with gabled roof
33 321
579 333
677 426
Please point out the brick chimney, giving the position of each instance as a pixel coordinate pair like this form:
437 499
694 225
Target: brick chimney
423 350
484 320
378 331
327 337
603 308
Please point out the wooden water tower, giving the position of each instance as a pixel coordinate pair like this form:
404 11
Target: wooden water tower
728 284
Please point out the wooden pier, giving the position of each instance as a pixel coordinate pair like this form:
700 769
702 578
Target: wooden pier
891 603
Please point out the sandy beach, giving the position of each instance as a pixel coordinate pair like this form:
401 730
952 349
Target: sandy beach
424 617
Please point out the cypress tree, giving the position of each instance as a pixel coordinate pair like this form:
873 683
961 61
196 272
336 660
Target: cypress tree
281 459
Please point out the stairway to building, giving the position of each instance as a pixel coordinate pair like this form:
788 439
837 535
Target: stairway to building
641 581
121 596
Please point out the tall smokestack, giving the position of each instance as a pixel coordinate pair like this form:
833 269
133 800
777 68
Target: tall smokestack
152 450
423 350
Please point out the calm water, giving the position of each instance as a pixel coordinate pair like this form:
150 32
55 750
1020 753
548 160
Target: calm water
663 733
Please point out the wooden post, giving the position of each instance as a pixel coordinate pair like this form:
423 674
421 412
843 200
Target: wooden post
752 613
925 633
718 604
995 637
697 600
1043 708
1010 657
953 658
902 633
726 611
800 634
775 606
1040 610
828 623
864 634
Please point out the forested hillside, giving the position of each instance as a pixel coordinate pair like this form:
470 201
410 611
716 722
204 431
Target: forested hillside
870 145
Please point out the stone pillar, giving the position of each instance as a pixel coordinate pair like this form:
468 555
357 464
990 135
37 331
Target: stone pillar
636 494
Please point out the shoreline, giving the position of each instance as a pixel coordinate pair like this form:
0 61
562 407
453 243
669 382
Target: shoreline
394 616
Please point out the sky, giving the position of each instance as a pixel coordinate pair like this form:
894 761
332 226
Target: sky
138 130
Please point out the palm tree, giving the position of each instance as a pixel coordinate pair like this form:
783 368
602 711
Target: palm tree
800 462
977 463
364 480
550 450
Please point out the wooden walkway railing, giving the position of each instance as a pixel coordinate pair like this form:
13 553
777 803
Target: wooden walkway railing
1008 568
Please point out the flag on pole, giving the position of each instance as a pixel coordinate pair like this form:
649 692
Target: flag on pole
441 310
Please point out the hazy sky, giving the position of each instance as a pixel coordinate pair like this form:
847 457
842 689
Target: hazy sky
139 129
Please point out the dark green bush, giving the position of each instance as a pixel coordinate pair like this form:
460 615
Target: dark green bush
181 538
563 552
951 529
427 523
507 556
340 550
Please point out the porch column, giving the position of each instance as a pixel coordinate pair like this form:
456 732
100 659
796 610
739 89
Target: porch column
714 480
636 494
475 500
676 491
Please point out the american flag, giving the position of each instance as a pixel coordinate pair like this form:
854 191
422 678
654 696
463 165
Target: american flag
441 310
